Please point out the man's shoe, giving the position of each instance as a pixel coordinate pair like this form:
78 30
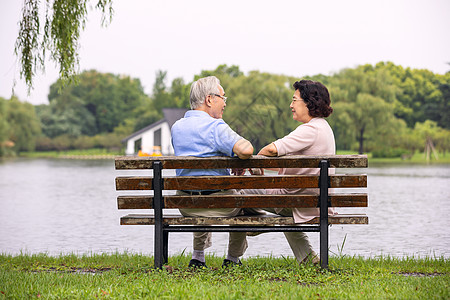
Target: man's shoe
229 263
254 233
195 263
311 258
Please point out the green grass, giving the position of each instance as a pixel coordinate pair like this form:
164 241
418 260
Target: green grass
417 158
70 153
125 276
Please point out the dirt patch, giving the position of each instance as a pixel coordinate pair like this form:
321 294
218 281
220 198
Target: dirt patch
419 274
74 270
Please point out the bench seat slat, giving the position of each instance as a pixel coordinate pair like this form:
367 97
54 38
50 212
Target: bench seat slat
239 182
256 161
242 201
148 219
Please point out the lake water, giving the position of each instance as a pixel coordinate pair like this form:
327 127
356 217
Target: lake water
69 206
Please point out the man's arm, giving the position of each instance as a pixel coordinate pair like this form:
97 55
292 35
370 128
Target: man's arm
243 149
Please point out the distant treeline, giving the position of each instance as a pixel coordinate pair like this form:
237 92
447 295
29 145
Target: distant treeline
384 109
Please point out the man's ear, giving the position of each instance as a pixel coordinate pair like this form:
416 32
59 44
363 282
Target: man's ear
208 100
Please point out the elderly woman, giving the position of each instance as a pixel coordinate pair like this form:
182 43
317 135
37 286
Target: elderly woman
310 105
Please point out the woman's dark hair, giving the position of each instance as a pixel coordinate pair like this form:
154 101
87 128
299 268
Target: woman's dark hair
316 97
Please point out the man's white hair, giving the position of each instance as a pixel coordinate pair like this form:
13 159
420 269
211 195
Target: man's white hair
202 88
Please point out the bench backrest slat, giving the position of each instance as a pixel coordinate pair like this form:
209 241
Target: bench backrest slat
256 161
241 201
239 182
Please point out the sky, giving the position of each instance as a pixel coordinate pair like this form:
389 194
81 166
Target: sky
295 38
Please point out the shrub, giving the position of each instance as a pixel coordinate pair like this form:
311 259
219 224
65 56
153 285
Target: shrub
108 141
62 142
84 142
389 153
44 143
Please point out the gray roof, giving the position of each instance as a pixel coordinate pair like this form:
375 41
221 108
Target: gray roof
171 115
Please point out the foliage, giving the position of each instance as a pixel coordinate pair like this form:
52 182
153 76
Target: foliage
389 152
259 107
221 71
131 276
374 103
258 104
72 118
364 101
176 96
4 129
423 94
97 104
428 132
376 108
19 126
370 104
63 22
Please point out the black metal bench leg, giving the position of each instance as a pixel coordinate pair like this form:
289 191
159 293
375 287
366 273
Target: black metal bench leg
324 245
159 249
158 206
324 184
165 247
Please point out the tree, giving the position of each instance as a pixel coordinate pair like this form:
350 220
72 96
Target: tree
98 103
428 132
423 94
442 139
443 109
161 97
62 23
364 104
367 115
5 144
258 108
180 93
24 125
232 72
71 118
177 96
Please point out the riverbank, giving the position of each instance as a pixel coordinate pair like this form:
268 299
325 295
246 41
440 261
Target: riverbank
131 277
417 158
73 154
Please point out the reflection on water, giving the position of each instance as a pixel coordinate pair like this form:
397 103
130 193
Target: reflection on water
69 206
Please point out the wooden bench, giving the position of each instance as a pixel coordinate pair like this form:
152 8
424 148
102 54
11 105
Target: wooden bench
262 223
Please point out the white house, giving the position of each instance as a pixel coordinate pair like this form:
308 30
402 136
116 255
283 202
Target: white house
156 135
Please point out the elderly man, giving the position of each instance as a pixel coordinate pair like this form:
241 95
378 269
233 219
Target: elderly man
203 133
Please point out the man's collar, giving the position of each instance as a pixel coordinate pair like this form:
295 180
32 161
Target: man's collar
196 112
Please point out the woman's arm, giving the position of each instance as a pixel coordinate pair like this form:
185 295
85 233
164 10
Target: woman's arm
269 150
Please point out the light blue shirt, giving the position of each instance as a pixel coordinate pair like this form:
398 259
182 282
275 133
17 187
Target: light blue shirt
199 134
